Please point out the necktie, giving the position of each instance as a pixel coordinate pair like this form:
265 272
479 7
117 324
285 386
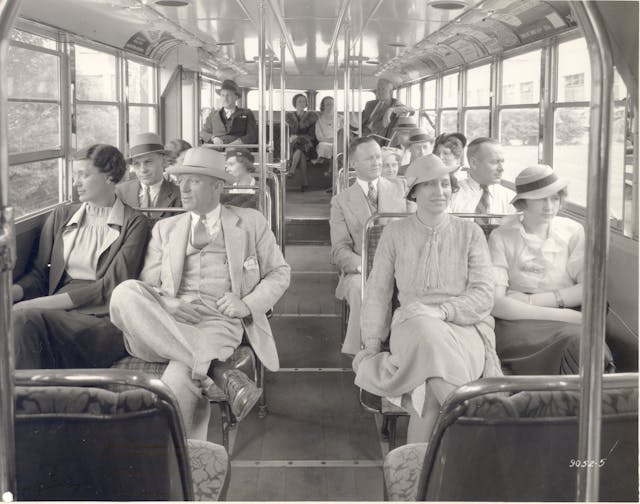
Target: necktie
200 236
372 196
145 200
483 204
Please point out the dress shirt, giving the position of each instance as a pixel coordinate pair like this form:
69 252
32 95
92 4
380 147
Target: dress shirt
154 191
467 198
211 223
364 185
229 112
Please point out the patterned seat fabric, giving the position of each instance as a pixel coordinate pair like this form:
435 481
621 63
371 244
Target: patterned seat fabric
209 470
402 468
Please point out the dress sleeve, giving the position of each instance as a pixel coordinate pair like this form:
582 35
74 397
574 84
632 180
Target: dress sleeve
575 260
498 253
476 302
375 319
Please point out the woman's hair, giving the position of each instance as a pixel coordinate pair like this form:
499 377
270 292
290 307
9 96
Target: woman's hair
295 99
455 145
324 101
521 204
107 159
246 163
176 146
388 152
455 187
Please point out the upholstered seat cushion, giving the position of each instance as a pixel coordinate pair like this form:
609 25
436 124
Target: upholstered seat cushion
209 470
402 468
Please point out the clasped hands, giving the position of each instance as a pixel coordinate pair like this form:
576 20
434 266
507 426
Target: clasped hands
191 313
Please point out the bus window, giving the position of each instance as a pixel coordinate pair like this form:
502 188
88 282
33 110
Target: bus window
97 106
34 186
428 115
519 124
366 96
253 98
449 118
477 94
142 98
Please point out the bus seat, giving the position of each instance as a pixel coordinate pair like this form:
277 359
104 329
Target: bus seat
76 440
524 445
243 358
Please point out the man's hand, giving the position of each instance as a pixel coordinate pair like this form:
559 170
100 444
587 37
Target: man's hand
217 141
186 313
362 355
232 306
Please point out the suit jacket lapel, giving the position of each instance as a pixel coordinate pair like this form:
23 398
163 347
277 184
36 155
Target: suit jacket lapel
165 196
178 248
235 243
60 253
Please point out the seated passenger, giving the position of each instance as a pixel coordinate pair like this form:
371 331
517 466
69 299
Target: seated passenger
61 315
230 124
538 261
349 212
324 128
240 166
301 126
450 147
442 333
420 144
176 149
149 189
481 192
209 275
400 139
390 162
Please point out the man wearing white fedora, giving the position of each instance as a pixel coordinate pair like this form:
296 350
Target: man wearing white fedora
230 124
210 274
149 189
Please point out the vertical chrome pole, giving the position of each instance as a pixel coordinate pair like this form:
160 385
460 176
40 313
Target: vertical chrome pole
336 182
271 142
8 13
347 86
361 63
596 248
284 140
262 151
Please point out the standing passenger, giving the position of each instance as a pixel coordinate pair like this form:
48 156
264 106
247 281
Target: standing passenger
481 192
230 124
379 115
209 274
350 210
149 189
538 261
61 315
442 333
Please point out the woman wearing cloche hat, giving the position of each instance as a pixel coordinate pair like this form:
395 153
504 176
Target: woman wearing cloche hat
538 260
441 335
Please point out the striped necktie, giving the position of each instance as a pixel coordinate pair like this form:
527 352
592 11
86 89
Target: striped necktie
145 200
483 204
372 196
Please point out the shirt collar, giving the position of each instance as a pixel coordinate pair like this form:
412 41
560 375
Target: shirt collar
365 185
116 215
210 218
474 185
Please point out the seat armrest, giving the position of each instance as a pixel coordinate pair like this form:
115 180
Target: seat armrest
402 468
209 470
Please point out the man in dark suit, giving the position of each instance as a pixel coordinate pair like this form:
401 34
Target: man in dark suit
379 115
149 189
230 124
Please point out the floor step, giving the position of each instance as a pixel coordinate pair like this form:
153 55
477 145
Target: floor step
310 258
307 232
309 342
310 294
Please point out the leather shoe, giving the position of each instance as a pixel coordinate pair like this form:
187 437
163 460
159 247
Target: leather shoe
243 394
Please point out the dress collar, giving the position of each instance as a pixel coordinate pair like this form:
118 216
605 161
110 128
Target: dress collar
115 218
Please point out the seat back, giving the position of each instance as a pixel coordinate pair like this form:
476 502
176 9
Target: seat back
78 440
524 447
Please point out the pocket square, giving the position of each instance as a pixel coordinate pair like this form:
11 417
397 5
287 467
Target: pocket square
250 263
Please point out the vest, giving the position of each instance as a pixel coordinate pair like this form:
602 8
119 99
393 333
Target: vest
205 276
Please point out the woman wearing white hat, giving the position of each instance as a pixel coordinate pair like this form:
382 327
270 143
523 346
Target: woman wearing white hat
538 261
442 333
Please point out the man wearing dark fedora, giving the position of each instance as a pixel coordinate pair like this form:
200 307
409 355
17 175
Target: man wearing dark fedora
149 189
210 275
230 124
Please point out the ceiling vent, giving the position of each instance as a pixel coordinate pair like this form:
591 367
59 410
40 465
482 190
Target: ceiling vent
448 4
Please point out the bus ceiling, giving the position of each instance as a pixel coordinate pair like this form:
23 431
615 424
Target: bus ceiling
401 40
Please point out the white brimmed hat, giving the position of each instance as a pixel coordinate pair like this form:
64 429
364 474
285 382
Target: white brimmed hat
424 169
145 143
202 161
536 182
